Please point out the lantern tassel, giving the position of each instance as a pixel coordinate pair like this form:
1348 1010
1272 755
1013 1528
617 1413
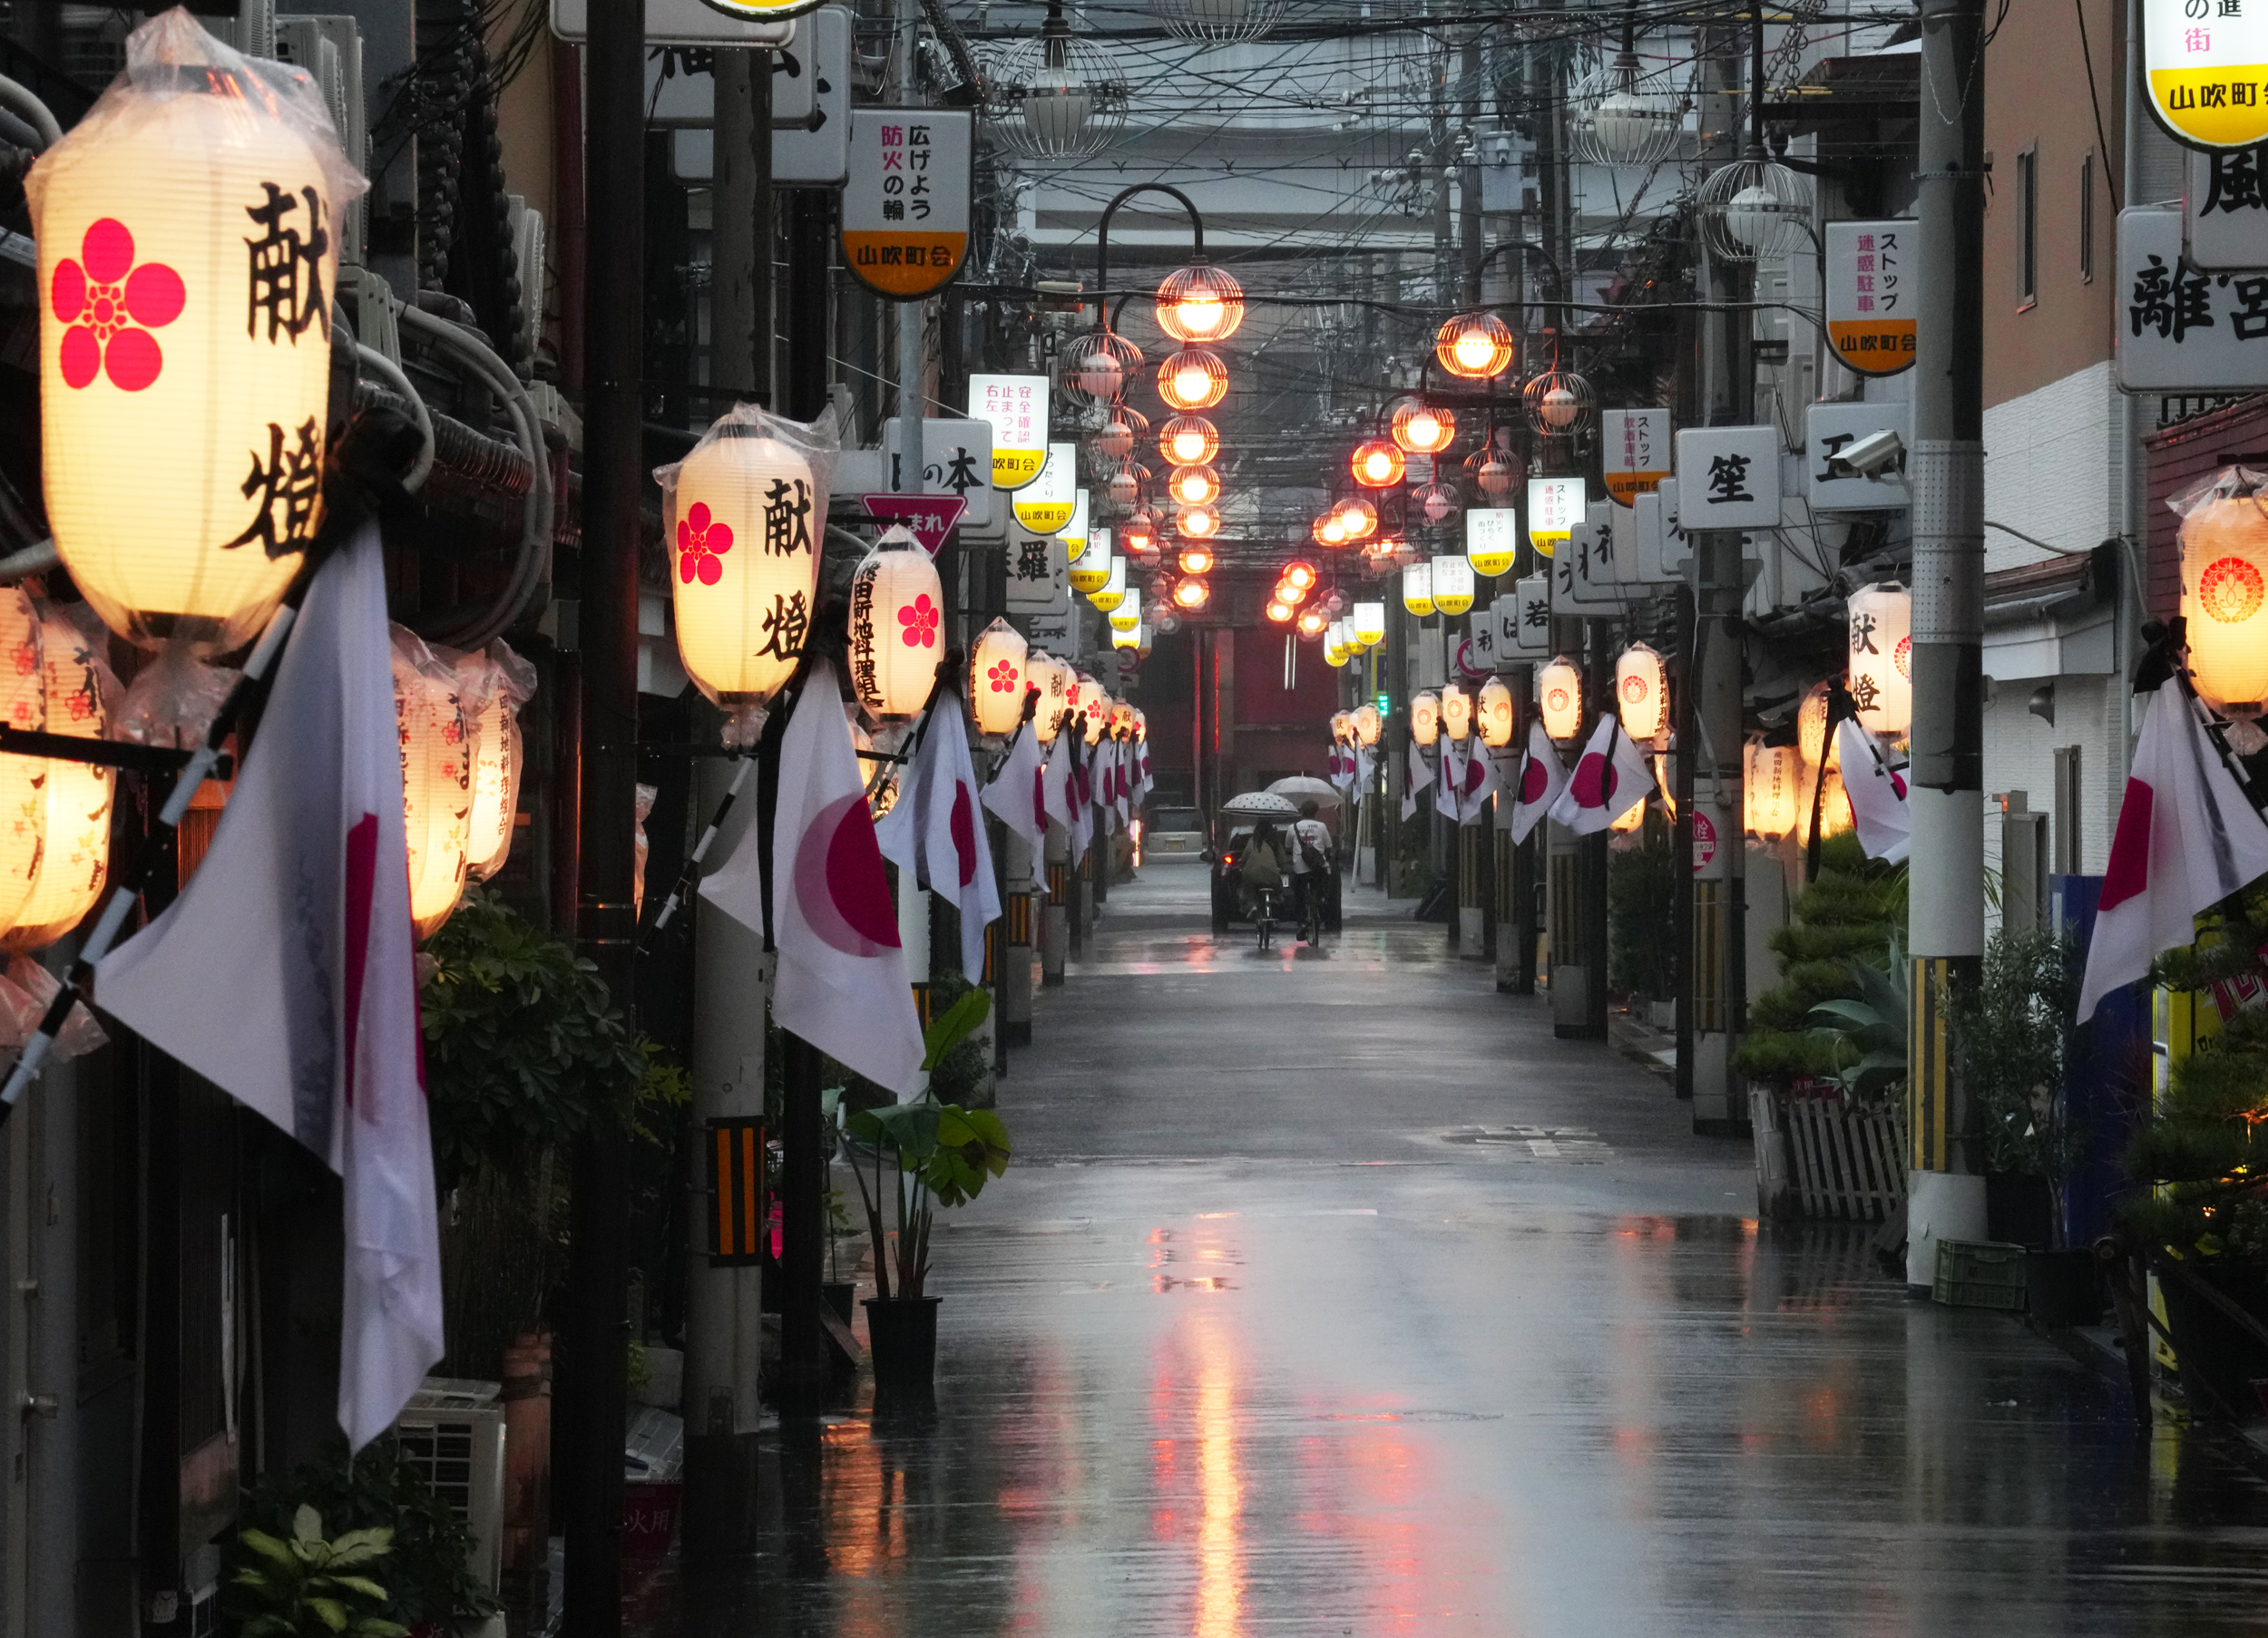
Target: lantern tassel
692 866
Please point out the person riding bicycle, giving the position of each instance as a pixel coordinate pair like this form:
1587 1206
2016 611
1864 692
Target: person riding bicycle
1311 869
1262 869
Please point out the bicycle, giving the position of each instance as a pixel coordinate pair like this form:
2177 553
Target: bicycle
1311 908
1264 913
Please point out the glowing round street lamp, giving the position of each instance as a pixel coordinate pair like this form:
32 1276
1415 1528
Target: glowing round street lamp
1278 611
1422 429
1197 560
1194 485
1358 517
998 678
1194 378
1377 464
1328 531
1189 441
1138 533
1300 574
1201 303
1755 209
1104 363
1191 594
1478 346
1312 622
1198 522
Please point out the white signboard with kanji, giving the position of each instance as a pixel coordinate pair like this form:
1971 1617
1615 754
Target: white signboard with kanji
2205 69
1554 504
1657 552
1524 618
817 154
1729 477
1870 296
1017 407
1832 428
2180 330
1492 539
2224 210
905 206
1039 572
1633 445
956 459
693 22
1045 506
1583 574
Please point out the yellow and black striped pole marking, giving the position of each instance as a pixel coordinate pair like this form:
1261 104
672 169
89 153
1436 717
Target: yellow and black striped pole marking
1929 1064
737 1220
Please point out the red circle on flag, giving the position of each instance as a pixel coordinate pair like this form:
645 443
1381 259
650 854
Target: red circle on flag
840 886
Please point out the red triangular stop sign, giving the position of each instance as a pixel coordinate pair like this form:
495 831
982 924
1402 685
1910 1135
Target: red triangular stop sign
930 517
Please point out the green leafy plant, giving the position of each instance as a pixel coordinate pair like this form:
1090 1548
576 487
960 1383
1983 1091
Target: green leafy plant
302 1584
1841 922
940 1155
2008 1035
524 1049
1640 892
1868 1031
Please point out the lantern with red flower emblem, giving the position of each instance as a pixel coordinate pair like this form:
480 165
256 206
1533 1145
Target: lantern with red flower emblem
997 679
897 626
437 779
74 797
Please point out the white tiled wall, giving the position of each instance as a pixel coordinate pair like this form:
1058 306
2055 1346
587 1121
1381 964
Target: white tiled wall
2051 467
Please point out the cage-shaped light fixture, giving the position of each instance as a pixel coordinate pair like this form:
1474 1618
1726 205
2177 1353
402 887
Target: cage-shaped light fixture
1456 712
1200 303
1498 475
1191 594
1377 464
1312 622
1771 786
1194 378
1417 589
1277 609
1492 709
1189 441
1642 693
1478 346
1422 428
897 633
1367 724
1124 486
1055 96
1328 531
1102 364
1138 533
1370 623
1452 583
1113 440
1754 209
998 678
1559 698
1194 486
1222 22
1559 403
1197 560
1300 573
1438 502
1358 517
2224 600
1198 522
1624 114
1879 619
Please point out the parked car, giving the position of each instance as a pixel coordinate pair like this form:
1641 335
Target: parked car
1174 832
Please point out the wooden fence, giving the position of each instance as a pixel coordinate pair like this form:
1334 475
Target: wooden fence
1848 1163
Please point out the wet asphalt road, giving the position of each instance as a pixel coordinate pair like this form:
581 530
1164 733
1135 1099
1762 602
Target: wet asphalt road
1328 1294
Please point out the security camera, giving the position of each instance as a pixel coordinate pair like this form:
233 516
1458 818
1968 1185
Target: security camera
1872 456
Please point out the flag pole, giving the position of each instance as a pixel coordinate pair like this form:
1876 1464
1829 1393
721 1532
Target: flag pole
692 867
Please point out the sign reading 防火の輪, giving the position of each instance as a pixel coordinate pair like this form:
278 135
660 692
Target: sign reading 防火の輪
2178 329
1634 449
905 208
2205 69
1870 305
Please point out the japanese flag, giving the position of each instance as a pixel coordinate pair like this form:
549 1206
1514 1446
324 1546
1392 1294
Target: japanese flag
285 973
1610 778
1877 794
1017 796
933 833
1479 786
1449 776
1417 777
1541 779
1060 787
2186 839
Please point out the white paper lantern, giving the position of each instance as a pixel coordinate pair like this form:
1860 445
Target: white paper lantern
493 686
1366 724
897 618
1453 584
1811 730
1370 624
1417 589
1342 727
2224 601
1560 699
1497 717
73 797
1456 713
1881 626
1094 708
999 678
746 511
1054 680
1642 693
188 231
436 743
1425 717
1771 788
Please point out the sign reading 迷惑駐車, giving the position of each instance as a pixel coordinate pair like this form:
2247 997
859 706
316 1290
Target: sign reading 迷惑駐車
1870 304
1634 450
2177 329
2205 67
905 208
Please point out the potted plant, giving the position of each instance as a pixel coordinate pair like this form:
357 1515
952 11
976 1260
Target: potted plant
939 1155
301 1584
2010 1035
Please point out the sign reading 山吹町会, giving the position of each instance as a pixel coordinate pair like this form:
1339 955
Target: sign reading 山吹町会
905 206
2205 69
2178 329
1870 302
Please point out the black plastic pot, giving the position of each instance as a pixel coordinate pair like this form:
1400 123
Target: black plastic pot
903 1333
2018 1210
2060 1287
838 1295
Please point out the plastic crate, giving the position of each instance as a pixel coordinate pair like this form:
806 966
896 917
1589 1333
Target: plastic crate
1980 1273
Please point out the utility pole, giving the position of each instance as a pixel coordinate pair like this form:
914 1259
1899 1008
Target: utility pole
1945 915
597 1309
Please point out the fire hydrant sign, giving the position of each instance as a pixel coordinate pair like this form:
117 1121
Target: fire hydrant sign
1870 302
905 208
1635 446
2205 62
1017 407
2177 329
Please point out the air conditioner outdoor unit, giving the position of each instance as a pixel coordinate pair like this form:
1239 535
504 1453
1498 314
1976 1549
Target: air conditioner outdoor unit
452 1432
330 47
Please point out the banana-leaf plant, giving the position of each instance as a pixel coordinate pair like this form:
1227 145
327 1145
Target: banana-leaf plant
1871 1029
940 1154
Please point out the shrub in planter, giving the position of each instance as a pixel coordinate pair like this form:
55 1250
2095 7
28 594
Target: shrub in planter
302 1586
2010 1035
1843 924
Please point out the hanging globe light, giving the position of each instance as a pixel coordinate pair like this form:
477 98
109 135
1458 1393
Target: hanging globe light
1422 429
1301 575
1054 97
1191 594
1278 611
1138 533
1194 485
1194 378
1198 522
1755 209
1200 302
1377 464
1624 114
1125 485
1114 440
1189 441
1358 517
1312 622
1478 346
1558 402
1498 475
1438 501
1328 531
1103 362
1287 592
1196 559
1223 21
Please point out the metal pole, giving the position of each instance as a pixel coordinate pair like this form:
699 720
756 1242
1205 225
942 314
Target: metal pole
597 1308
1945 926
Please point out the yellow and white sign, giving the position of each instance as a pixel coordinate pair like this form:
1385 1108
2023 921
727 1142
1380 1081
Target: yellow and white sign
1555 505
2207 67
1074 532
1869 302
905 207
1634 445
1492 539
1017 407
1046 504
1091 572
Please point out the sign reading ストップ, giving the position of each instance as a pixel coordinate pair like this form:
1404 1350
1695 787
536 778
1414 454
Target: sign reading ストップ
1870 307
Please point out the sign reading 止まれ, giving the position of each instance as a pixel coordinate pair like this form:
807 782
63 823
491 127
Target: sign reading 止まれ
2206 66
905 208
1870 309
2180 330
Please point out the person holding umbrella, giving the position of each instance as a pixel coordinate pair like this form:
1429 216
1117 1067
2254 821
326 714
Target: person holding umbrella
1311 867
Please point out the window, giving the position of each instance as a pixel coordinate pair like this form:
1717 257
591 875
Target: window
2027 228
2086 219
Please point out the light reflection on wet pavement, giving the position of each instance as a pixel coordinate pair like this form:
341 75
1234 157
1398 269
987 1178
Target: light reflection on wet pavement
1256 1338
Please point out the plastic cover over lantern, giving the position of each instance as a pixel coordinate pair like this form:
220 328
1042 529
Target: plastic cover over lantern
494 685
1559 698
1425 717
1452 583
1366 723
1880 627
23 704
1456 712
1642 693
1052 679
897 626
73 797
1493 710
2224 593
1417 589
997 678
436 778
745 513
1771 788
188 231
1370 624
